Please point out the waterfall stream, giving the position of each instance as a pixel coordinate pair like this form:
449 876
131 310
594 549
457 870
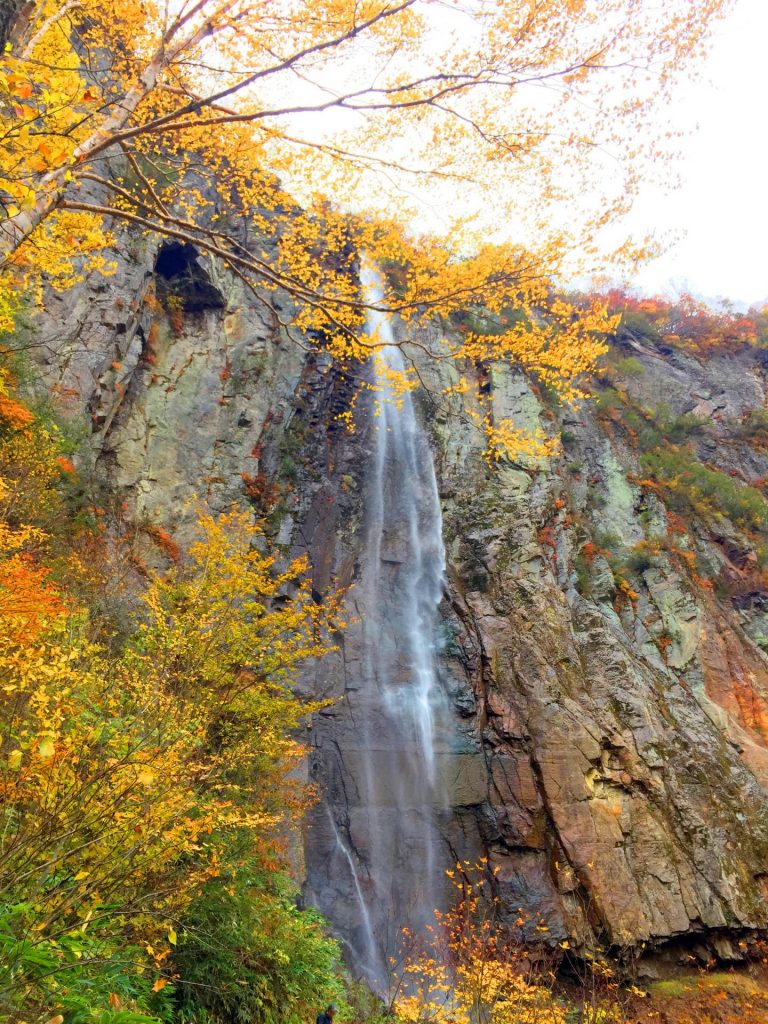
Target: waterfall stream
385 835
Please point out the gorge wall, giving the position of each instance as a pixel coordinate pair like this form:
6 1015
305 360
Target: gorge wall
602 628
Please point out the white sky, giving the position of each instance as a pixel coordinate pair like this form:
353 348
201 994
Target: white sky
722 204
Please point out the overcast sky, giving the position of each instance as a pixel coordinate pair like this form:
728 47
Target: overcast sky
719 212
722 204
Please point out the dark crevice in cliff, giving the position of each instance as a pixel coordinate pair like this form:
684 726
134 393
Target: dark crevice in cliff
182 282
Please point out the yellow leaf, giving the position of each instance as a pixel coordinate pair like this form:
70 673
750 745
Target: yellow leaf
46 748
14 760
81 875
172 937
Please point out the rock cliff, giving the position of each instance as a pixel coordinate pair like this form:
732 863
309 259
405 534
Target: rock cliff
605 615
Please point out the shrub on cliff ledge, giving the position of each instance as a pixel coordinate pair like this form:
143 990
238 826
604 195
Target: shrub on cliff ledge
690 485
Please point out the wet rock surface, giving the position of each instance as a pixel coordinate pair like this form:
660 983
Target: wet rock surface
603 656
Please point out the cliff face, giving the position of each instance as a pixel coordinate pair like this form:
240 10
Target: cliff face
604 616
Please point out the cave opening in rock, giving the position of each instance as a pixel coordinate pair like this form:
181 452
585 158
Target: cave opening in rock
182 278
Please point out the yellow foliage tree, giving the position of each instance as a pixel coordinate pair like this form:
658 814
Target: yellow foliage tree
123 777
479 964
474 966
169 117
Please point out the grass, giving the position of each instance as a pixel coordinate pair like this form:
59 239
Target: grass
732 982
629 366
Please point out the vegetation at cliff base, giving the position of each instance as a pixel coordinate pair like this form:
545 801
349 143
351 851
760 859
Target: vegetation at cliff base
146 767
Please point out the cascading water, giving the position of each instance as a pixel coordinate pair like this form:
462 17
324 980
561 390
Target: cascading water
384 857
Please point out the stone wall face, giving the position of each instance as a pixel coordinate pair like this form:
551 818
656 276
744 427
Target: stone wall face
609 751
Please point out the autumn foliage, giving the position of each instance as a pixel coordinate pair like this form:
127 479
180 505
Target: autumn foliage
147 783
134 768
483 961
322 119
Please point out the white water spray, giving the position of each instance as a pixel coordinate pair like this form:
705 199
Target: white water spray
394 795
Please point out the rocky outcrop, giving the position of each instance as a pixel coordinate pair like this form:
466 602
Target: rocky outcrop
603 631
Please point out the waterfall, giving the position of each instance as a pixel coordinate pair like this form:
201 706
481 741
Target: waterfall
404 530
385 857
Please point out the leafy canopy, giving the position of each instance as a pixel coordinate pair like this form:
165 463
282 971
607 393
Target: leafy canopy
192 118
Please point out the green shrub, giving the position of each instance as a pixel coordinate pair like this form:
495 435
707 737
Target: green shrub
288 469
649 437
607 541
690 485
754 424
246 953
638 560
581 565
607 399
633 419
637 325
679 428
596 498
90 977
629 366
